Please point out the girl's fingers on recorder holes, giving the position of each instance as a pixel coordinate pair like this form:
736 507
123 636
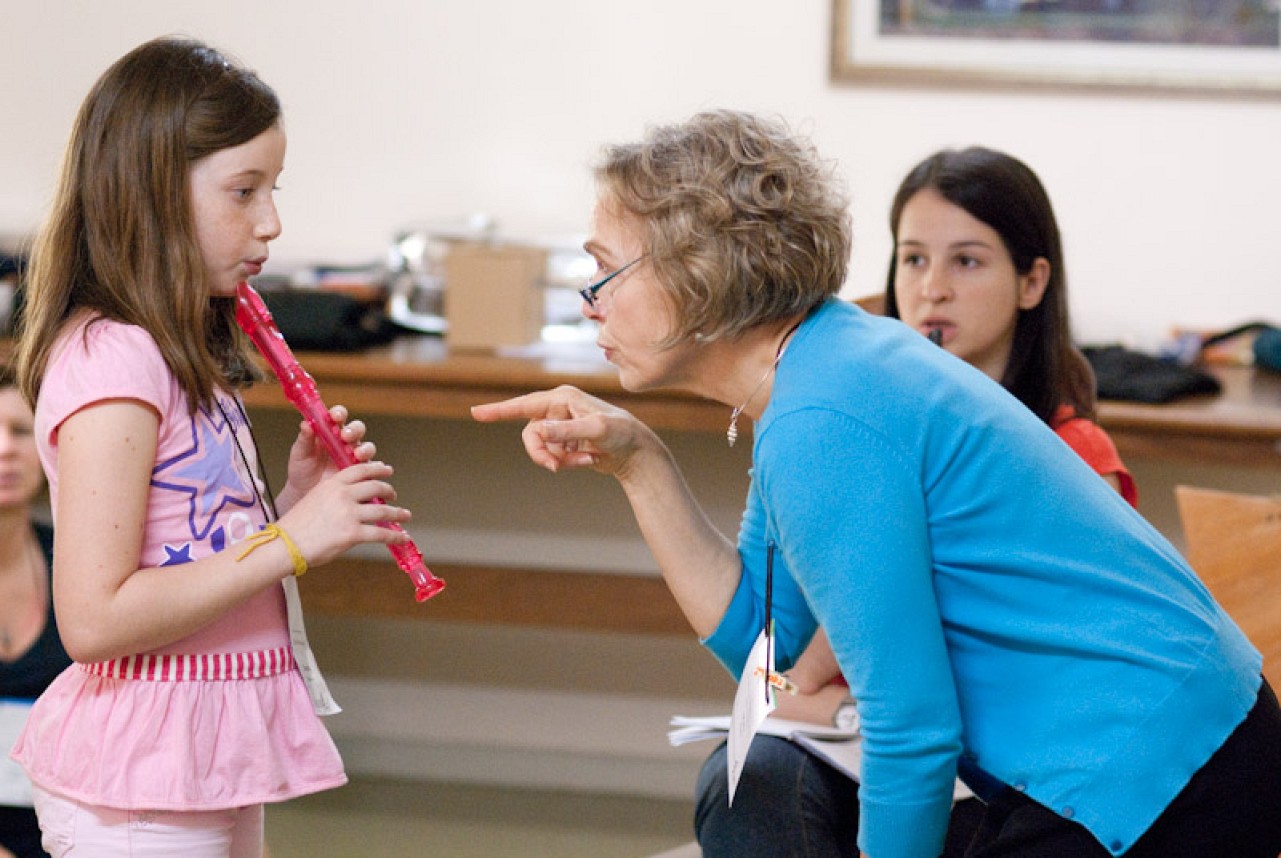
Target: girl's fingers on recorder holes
353 432
381 532
371 470
384 513
368 491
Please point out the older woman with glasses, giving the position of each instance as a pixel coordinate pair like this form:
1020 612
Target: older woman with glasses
998 611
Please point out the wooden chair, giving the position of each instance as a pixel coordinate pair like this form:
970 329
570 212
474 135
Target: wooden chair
874 304
1234 544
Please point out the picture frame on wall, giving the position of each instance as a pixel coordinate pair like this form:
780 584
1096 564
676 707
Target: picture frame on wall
1224 47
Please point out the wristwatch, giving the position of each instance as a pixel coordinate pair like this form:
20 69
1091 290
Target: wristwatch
846 717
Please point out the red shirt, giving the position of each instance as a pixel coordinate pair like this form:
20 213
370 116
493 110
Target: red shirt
1088 440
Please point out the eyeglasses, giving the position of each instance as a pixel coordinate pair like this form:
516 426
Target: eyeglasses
590 291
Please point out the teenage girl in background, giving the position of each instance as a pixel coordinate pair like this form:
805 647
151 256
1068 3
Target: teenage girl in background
31 654
193 699
977 259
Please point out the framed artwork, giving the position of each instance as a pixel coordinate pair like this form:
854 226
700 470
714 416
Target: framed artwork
1189 46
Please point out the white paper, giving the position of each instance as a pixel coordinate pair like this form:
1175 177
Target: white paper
840 748
753 702
15 789
321 700
696 728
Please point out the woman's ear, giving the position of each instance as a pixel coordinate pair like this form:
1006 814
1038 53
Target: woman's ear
1032 284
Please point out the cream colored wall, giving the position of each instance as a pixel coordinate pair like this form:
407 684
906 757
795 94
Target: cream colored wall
408 111
415 111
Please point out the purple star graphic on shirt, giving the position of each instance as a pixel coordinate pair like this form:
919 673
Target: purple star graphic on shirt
208 472
176 555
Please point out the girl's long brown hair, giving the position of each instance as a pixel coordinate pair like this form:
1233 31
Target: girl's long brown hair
120 240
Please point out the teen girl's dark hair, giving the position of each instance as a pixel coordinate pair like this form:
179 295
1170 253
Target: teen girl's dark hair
1045 369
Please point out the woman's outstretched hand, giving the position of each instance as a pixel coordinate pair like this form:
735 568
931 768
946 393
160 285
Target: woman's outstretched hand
571 429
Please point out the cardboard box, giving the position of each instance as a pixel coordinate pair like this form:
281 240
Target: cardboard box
493 295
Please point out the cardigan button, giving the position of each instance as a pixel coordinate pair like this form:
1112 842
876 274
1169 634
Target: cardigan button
1068 813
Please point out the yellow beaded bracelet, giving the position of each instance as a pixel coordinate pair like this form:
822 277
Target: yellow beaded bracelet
267 534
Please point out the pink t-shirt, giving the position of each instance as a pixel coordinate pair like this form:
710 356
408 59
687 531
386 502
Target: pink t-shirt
189 744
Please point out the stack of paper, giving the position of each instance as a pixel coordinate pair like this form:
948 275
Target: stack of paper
839 748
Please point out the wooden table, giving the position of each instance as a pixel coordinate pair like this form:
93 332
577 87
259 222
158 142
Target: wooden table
1240 426
420 377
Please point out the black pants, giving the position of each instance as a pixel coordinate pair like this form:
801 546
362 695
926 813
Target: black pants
1230 809
20 833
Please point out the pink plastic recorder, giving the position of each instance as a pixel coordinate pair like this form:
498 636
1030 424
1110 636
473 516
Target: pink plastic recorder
300 389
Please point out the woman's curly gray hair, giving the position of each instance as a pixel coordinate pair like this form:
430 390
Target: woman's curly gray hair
743 223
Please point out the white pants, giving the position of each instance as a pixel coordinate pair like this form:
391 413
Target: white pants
72 829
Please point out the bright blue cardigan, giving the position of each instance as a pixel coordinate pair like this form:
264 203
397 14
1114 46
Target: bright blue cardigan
985 593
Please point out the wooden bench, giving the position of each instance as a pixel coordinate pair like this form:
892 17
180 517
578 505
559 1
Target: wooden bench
583 601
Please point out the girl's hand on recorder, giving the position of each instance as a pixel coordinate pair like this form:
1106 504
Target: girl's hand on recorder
340 512
309 461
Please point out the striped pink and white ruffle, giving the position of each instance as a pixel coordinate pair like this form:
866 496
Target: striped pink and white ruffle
204 667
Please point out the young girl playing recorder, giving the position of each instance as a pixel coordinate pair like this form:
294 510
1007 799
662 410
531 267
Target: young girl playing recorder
193 699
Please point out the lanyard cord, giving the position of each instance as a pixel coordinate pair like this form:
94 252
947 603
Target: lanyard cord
263 502
769 620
